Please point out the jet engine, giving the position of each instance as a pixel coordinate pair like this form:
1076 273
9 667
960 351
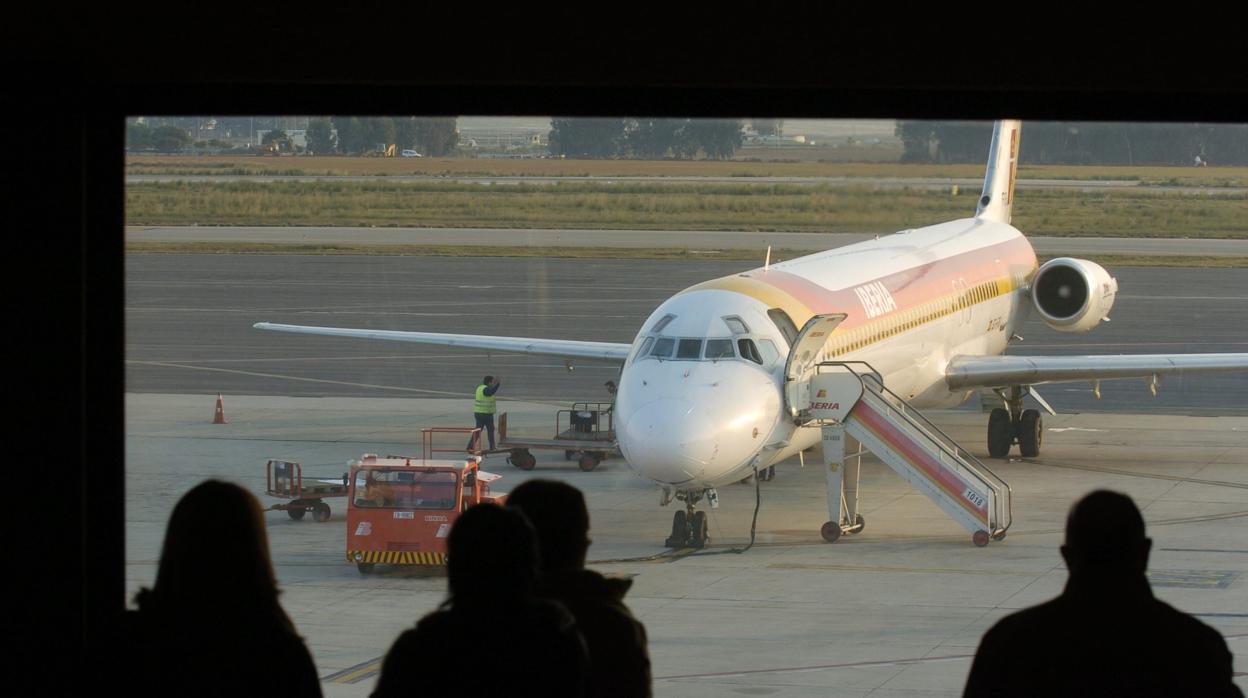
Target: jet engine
1073 295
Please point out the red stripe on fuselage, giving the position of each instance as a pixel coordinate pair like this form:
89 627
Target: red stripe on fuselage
909 287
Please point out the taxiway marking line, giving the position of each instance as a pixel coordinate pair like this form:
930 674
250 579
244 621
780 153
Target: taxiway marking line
260 374
357 673
818 667
1154 476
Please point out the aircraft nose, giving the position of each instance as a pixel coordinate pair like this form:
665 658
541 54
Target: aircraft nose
669 440
699 433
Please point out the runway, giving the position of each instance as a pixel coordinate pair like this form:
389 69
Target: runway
189 326
894 611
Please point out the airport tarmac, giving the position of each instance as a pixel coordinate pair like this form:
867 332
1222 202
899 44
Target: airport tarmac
896 610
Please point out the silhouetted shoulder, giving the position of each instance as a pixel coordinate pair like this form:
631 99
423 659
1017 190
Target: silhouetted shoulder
203 660
1078 649
619 660
505 651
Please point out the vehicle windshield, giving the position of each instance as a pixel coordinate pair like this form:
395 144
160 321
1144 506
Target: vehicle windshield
404 489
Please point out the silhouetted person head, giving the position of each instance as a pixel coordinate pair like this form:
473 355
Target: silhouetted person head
1105 536
488 380
212 624
215 558
491 557
558 513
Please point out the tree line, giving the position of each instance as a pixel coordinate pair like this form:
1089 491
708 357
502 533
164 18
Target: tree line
326 135
1080 143
641 138
436 136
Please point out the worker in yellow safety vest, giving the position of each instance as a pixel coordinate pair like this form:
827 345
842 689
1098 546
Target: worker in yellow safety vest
483 407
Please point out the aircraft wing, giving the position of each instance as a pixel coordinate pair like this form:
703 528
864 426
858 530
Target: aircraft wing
998 371
567 348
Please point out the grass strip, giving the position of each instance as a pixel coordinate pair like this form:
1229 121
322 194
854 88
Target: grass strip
1129 212
831 164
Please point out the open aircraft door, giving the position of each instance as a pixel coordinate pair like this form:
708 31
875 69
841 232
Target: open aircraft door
804 355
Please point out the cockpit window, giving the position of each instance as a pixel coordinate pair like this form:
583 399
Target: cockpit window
663 322
768 349
719 349
689 349
645 347
663 347
736 325
749 350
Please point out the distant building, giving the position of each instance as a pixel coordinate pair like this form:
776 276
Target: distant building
297 136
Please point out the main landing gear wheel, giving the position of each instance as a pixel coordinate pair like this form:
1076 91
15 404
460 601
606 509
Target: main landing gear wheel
830 531
320 512
589 461
680 531
1000 433
522 459
1030 433
768 474
859 524
698 530
980 538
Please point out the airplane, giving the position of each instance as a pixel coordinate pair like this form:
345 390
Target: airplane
703 395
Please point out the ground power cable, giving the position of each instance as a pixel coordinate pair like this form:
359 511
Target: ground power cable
673 554
758 500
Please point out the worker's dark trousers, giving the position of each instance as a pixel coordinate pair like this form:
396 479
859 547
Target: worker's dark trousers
485 421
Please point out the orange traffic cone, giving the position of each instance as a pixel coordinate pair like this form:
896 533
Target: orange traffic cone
219 417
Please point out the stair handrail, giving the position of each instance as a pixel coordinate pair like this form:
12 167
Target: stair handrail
965 461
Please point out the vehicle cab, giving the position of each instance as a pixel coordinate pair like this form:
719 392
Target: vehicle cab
400 510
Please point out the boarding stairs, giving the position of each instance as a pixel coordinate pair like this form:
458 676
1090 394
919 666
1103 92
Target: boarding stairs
857 414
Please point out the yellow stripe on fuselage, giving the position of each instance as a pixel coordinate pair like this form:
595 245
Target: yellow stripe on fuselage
844 341
761 291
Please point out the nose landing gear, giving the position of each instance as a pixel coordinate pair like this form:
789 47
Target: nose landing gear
689 527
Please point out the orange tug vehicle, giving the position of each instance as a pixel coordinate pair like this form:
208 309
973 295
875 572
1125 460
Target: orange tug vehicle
400 509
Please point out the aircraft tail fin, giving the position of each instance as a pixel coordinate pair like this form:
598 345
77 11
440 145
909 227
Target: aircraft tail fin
997 199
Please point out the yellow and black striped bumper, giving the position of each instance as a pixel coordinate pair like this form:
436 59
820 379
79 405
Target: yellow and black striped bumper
396 557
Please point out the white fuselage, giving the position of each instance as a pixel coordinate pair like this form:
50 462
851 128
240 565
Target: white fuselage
701 397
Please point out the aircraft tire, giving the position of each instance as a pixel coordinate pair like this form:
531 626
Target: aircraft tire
698 530
830 531
859 524
1000 433
680 531
1030 433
